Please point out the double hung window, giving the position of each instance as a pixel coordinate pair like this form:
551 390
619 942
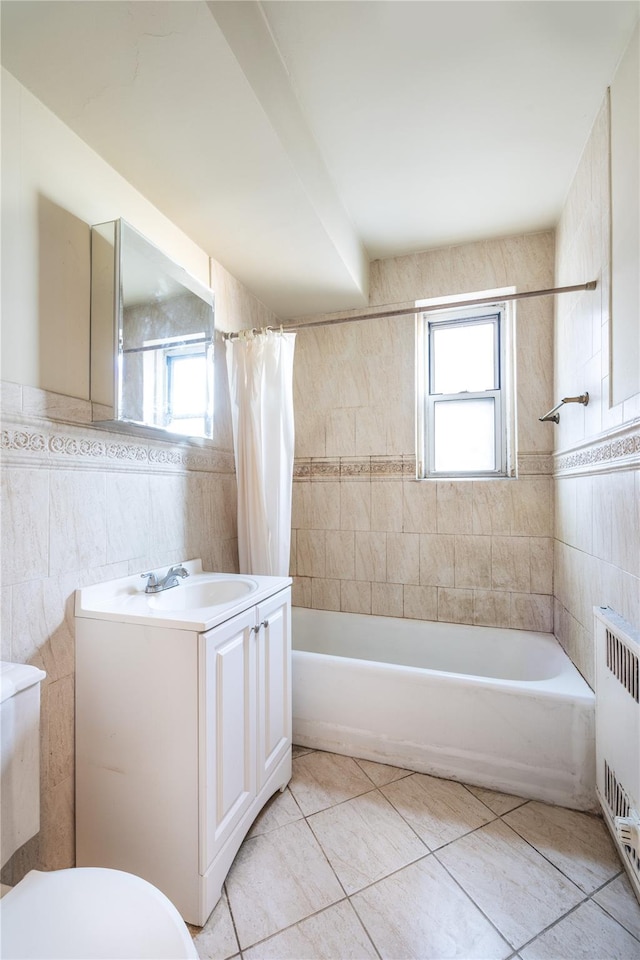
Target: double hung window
463 413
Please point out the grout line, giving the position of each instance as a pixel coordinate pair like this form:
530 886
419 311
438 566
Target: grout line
550 862
500 933
608 912
555 923
225 894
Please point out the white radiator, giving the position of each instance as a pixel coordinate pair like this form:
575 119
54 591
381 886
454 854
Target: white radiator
618 734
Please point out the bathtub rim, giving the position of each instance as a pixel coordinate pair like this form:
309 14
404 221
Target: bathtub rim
531 688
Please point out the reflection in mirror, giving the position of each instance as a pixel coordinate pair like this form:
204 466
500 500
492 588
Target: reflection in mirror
152 333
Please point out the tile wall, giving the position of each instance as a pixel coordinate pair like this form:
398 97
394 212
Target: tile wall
368 537
597 455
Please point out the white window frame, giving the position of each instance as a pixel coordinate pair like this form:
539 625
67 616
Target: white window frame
501 314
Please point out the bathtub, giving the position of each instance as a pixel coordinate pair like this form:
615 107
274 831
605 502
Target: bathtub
504 709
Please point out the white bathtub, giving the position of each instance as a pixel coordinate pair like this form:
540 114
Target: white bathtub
504 709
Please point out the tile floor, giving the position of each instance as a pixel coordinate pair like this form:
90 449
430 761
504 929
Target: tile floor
361 860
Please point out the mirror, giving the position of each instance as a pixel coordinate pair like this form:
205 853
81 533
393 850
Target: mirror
152 334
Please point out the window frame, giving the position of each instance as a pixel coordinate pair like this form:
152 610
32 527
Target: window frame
500 314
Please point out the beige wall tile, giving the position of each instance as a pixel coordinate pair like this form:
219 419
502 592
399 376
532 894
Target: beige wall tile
386 505
387 599
371 556
168 515
57 822
127 516
454 508
42 624
419 505
371 431
532 507
437 560
473 561
403 558
355 596
355 505
510 563
324 505
455 606
340 555
25 524
420 603
310 553
530 611
77 520
340 435
58 713
492 506
541 553
292 553
325 594
491 608
301 592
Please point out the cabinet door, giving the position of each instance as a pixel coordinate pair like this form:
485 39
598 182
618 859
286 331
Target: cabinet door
274 683
227 757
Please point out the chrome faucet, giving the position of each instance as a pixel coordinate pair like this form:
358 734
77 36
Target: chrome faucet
170 580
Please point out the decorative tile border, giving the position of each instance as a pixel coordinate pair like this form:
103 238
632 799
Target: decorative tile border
353 468
394 468
29 444
535 464
619 449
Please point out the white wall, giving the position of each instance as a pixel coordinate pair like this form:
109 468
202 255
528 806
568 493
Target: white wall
53 188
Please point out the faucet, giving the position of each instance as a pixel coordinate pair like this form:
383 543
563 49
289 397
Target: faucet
170 580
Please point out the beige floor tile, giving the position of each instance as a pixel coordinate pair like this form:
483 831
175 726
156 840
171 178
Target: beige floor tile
576 843
321 780
365 839
217 939
586 934
517 889
382 773
298 751
277 879
335 932
438 810
420 912
278 811
498 802
619 900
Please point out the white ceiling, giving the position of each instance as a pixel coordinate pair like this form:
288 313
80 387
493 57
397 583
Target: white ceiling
294 141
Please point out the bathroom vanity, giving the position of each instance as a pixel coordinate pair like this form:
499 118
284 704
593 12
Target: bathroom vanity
183 725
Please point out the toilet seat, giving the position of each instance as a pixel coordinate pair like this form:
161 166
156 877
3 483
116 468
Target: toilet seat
91 913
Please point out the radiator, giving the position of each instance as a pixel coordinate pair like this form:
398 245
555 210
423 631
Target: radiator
618 734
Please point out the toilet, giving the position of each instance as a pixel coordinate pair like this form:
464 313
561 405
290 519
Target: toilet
81 912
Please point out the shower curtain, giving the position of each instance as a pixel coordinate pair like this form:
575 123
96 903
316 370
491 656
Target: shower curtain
260 369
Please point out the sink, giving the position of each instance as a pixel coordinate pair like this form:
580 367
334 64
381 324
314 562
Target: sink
207 593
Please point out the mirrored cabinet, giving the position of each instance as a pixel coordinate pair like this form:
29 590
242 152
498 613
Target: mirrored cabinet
152 338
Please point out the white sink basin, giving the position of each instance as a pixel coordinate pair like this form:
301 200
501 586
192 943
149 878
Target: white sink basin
207 593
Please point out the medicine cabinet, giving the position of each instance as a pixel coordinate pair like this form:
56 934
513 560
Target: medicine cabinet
152 336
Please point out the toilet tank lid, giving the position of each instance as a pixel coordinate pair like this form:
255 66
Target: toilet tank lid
15 677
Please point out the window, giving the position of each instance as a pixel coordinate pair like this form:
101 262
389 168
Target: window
177 384
463 404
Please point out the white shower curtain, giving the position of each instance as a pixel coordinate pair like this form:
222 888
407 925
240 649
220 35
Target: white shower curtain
260 368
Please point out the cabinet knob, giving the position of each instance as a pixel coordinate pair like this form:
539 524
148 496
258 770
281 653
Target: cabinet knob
265 623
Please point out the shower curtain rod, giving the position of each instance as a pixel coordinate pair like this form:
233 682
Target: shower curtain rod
432 308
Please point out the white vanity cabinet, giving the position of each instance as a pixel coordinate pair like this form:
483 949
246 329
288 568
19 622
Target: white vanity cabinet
182 734
245 689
